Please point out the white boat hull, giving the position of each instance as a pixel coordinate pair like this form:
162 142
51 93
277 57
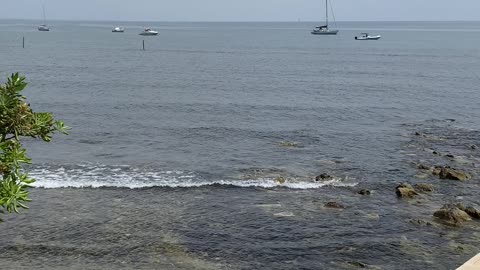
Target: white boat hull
148 34
327 32
43 28
368 38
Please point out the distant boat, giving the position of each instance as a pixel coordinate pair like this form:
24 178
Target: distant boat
118 30
366 36
324 29
148 32
43 27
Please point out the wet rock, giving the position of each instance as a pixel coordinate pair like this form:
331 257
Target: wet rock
334 205
423 167
452 214
406 191
450 173
323 177
280 180
364 192
473 147
424 187
436 153
473 212
358 264
450 156
418 134
420 222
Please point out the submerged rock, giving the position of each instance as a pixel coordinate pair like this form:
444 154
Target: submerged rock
450 173
423 167
473 147
450 156
424 187
364 192
334 205
359 264
323 177
288 144
452 214
406 191
420 222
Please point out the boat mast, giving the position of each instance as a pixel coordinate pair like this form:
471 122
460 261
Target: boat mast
44 17
326 11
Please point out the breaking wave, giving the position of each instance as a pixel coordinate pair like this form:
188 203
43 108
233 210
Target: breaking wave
100 176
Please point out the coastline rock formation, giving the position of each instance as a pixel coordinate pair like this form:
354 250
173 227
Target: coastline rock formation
451 213
405 191
424 187
450 174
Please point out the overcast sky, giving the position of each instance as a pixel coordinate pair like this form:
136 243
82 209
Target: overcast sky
241 10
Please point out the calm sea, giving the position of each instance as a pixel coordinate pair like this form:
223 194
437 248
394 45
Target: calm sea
193 128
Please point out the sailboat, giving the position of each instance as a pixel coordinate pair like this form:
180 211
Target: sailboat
323 29
43 27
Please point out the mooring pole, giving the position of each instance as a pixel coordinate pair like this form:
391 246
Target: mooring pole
23 42
143 43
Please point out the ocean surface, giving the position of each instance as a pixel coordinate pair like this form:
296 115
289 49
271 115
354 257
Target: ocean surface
174 152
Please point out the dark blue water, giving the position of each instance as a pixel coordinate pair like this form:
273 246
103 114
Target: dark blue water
214 103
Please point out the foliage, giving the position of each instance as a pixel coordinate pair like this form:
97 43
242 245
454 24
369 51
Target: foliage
17 120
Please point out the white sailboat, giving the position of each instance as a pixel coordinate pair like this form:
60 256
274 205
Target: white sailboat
324 29
44 27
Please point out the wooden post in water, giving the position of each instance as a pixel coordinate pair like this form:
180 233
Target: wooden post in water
23 42
143 43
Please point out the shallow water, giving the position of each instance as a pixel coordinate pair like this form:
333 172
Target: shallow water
179 146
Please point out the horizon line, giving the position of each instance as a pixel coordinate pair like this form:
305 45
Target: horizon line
233 21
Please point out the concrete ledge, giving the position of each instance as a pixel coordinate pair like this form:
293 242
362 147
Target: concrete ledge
473 264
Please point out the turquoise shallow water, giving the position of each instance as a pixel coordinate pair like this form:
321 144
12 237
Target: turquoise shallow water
199 118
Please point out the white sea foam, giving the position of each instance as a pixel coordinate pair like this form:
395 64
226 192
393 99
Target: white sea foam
95 176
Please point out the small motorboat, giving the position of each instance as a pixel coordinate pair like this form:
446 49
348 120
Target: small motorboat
366 36
148 32
118 30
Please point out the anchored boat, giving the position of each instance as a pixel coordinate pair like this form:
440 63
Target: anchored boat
118 30
43 27
324 29
148 32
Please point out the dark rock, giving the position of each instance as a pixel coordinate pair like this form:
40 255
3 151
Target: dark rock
451 174
420 222
452 214
450 156
334 205
424 187
364 192
436 153
473 212
323 177
423 167
473 147
418 134
405 191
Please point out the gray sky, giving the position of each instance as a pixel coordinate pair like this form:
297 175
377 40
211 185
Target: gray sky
241 10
